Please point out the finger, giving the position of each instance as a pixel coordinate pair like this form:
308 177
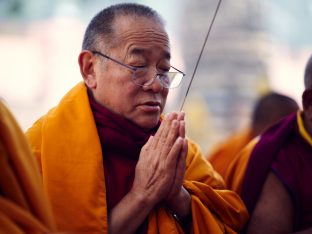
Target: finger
185 148
169 131
182 129
180 118
159 131
181 165
173 155
163 128
183 154
182 158
147 153
181 115
166 142
147 144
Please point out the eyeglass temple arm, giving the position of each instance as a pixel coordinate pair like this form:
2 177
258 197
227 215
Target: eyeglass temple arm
125 65
116 61
178 70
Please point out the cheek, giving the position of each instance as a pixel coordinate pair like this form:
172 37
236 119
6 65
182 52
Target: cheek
128 87
165 94
128 93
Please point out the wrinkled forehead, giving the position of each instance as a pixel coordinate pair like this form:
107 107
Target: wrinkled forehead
130 30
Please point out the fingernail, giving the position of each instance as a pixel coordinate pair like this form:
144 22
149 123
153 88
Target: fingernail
170 116
174 123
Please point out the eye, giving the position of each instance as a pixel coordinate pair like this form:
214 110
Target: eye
139 66
138 63
140 71
163 69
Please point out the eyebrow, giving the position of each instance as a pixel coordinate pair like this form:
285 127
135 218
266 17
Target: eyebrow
141 51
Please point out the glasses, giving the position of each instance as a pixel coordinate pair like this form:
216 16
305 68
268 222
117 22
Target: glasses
170 79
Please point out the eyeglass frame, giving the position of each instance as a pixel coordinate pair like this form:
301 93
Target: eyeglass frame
134 69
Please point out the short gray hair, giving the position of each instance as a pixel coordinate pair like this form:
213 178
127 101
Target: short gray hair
102 23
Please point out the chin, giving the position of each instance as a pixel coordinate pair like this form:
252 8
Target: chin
148 124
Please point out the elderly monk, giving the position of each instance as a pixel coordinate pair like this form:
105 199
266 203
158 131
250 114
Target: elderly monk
274 172
109 161
270 108
24 207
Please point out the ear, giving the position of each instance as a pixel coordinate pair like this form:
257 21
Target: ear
307 99
86 62
307 109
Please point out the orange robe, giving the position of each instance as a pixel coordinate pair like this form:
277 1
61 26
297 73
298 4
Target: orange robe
235 173
67 146
24 207
222 156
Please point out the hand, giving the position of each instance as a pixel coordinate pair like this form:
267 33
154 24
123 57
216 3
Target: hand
156 169
159 172
178 199
180 166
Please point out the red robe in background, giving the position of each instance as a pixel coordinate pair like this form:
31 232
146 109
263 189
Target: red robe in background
286 150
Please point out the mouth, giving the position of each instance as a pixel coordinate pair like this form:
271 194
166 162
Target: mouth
152 103
151 106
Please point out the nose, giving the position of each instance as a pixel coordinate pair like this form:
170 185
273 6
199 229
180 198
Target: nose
154 84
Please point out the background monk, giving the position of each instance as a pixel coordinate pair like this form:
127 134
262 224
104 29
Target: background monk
268 110
109 161
276 186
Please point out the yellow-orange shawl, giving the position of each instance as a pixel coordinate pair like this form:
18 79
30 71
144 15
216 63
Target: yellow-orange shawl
235 173
223 155
67 146
24 207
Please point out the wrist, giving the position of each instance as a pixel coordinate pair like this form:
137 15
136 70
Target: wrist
141 198
180 204
185 222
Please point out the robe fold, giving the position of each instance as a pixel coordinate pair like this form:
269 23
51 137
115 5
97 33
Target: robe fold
235 173
24 207
224 153
67 146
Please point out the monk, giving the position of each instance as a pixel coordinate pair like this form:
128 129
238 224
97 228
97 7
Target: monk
273 172
24 206
111 162
270 108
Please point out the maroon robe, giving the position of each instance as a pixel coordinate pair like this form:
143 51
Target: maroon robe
283 150
121 142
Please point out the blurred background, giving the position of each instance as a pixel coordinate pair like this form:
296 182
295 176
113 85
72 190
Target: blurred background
255 46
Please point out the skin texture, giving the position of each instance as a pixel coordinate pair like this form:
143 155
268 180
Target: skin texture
161 167
274 209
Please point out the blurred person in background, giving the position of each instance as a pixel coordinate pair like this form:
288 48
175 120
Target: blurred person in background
24 206
273 173
110 161
268 109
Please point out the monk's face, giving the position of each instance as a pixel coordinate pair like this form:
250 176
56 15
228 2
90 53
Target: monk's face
139 42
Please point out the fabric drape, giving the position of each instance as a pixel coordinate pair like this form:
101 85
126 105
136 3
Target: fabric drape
66 144
24 207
